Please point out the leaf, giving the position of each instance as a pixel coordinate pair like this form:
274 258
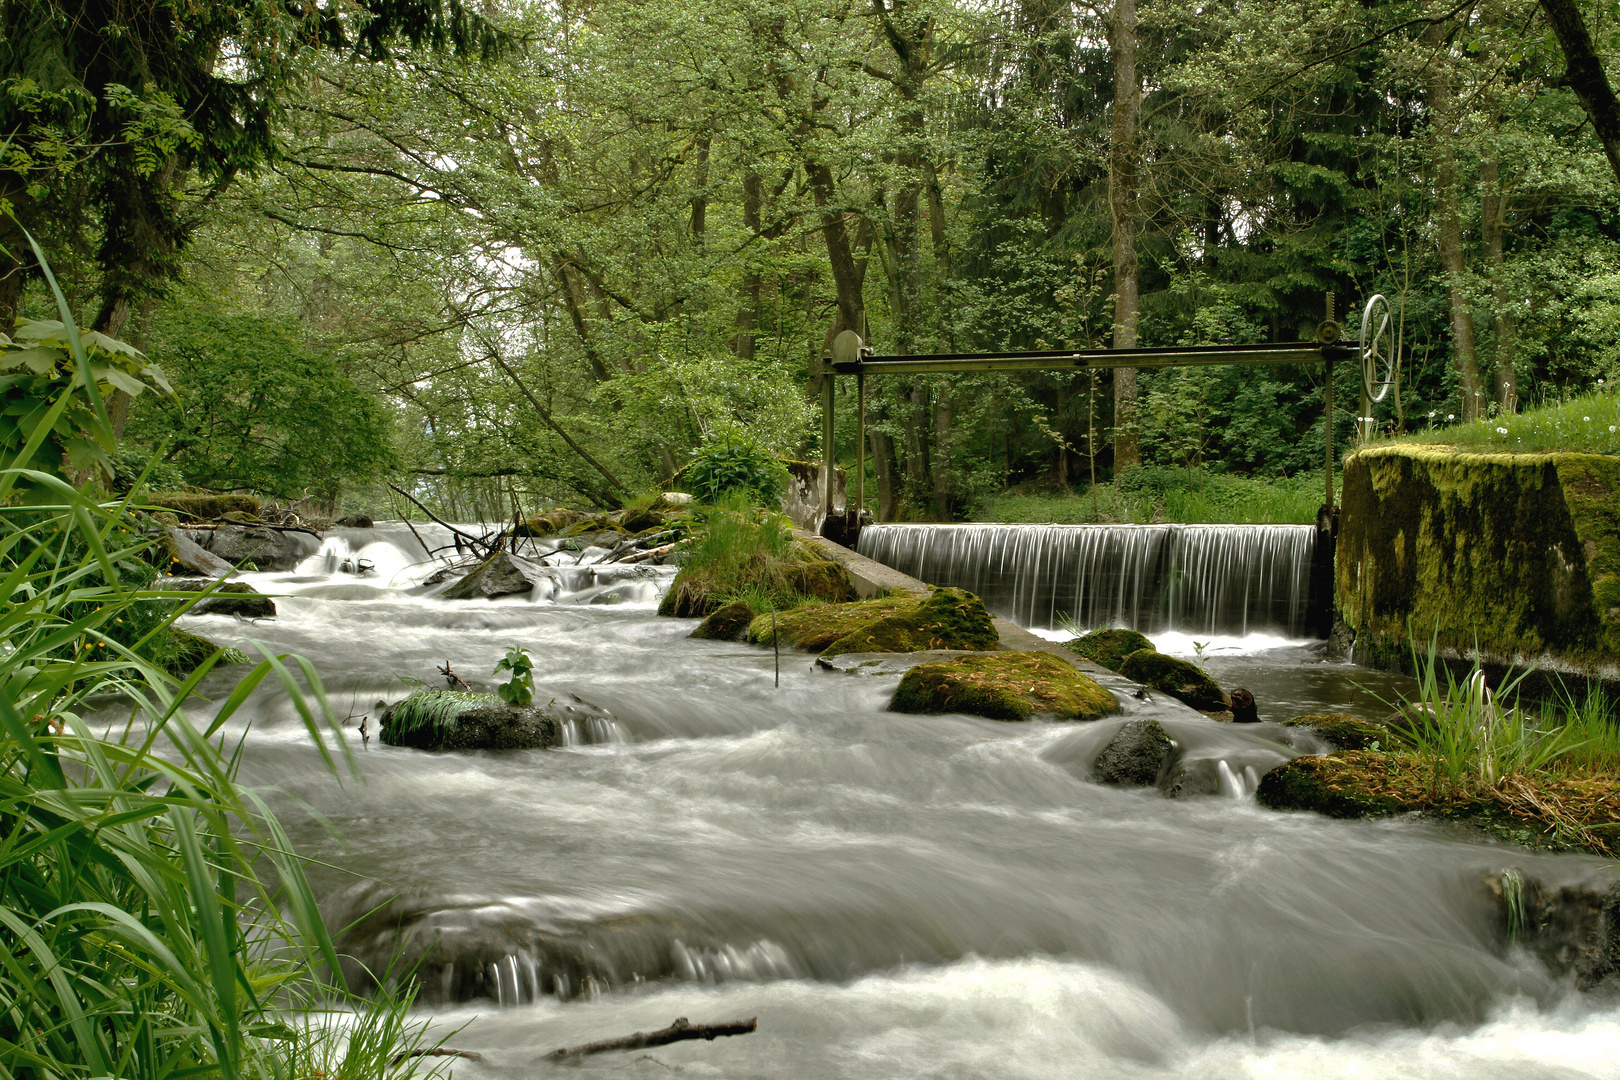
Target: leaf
128 384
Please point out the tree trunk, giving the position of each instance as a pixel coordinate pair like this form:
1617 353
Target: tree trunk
1583 73
1122 182
1493 217
943 485
1448 210
700 202
748 314
883 466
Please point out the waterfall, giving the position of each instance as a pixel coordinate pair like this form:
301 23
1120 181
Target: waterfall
1232 579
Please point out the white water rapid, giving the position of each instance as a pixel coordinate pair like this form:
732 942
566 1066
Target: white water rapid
1197 578
892 896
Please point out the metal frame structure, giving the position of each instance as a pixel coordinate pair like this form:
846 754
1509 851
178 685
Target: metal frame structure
851 356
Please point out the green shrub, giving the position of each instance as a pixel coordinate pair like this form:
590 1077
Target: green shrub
720 468
741 553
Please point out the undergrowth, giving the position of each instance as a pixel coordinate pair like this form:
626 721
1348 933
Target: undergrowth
1158 495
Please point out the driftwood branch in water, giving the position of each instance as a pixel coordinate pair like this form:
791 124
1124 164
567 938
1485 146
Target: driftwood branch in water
437 1051
477 542
679 1031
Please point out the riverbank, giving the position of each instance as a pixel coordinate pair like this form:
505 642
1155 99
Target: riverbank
1159 495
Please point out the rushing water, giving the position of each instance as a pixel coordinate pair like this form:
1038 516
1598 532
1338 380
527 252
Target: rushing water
1198 578
891 895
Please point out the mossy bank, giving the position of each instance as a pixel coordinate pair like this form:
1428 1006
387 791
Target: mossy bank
1518 554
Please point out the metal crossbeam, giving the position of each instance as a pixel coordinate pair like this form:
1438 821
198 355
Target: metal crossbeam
1288 352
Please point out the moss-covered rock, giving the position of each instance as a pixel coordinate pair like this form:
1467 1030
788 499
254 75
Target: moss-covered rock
698 591
1108 647
1003 686
1343 730
551 523
1176 677
1135 756
944 619
726 623
198 507
1335 786
1517 553
229 598
180 652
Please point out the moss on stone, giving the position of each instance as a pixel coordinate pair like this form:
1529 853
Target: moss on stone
200 507
1003 686
729 622
550 523
944 619
1517 554
1178 678
1343 730
1108 647
698 591
180 652
1335 786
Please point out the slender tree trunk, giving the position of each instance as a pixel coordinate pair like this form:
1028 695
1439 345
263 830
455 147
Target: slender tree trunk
1122 190
1448 210
944 486
748 314
883 466
700 202
1493 218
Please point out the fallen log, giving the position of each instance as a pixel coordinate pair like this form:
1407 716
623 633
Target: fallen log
679 1031
437 1051
650 553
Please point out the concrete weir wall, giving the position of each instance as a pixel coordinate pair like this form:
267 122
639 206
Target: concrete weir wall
1517 554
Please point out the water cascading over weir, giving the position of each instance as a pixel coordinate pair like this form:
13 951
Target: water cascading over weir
1202 579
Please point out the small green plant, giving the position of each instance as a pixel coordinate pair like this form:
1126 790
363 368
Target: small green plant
723 467
1200 647
519 689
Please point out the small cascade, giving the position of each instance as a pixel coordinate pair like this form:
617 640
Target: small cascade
1229 579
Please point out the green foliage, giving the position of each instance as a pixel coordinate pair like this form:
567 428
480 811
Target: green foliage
141 939
519 689
1588 423
740 552
721 467
256 410
1156 494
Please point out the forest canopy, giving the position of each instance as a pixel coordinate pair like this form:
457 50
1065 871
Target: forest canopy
543 253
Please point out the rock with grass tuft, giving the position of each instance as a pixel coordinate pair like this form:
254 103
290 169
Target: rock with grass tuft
1108 647
1003 686
1343 730
1170 675
457 720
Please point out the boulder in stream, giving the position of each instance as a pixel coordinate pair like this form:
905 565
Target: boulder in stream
502 574
229 598
1108 647
1343 730
185 556
355 521
1003 686
456 720
264 547
944 619
728 623
1572 926
1176 677
1135 756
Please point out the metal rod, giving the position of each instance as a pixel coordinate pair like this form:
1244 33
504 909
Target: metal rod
1327 432
826 443
1292 352
860 447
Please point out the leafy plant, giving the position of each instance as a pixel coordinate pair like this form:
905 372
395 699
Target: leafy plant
721 467
519 689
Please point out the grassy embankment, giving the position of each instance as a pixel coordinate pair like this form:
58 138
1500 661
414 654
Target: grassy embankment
1544 776
1166 495
1588 424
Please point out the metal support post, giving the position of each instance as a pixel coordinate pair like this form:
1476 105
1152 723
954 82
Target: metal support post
1327 433
826 443
860 448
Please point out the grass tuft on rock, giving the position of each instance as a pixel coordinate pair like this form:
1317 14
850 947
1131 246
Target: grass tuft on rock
944 619
1003 686
1108 647
744 553
435 709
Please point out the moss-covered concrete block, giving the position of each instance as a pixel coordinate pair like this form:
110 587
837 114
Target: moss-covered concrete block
1517 553
1108 647
726 623
944 619
1170 675
1343 730
1003 686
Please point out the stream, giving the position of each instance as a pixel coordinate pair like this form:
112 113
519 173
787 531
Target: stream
938 896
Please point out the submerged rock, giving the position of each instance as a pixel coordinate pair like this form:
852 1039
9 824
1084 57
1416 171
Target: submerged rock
502 574
230 598
1178 678
1343 730
453 720
355 521
1108 647
1244 710
728 623
1135 756
1188 779
1573 927
1003 686
944 619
